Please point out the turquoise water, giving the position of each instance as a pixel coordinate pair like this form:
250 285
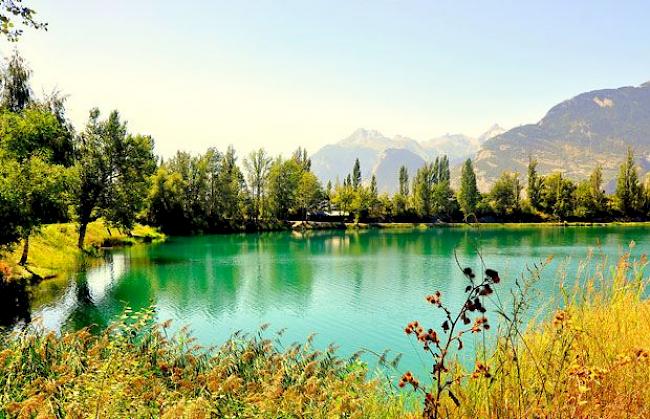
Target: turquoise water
357 289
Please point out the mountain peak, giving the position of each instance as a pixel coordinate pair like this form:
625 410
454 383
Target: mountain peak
493 131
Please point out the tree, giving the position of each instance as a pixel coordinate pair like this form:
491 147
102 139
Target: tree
356 174
343 197
403 181
42 197
328 196
301 157
468 194
362 202
113 168
12 12
309 193
505 194
425 179
589 196
284 177
257 168
628 190
558 195
443 199
16 91
36 131
166 204
230 187
535 184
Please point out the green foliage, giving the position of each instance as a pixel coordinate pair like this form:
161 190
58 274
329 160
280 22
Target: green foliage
590 200
535 184
505 194
356 174
113 172
468 194
284 179
36 131
432 194
627 197
191 194
309 194
16 91
403 181
557 195
257 171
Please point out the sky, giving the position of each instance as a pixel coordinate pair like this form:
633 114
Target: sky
280 74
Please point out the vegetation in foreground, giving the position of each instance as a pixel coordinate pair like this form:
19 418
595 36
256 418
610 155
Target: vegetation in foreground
590 358
134 369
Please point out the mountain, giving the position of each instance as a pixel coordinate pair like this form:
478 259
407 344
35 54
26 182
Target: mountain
493 131
387 168
457 147
383 156
592 128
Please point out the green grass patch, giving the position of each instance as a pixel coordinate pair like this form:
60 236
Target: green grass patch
53 249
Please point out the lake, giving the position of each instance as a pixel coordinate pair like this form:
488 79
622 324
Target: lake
356 288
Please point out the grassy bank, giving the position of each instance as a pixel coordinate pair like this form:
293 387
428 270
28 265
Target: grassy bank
53 250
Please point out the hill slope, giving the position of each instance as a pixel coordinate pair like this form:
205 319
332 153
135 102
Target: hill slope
592 128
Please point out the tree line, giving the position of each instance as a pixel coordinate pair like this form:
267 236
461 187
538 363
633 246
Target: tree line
50 173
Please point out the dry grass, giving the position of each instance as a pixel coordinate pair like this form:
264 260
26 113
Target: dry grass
134 370
589 359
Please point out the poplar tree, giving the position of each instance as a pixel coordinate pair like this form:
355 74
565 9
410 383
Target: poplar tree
468 194
403 181
534 191
356 174
628 189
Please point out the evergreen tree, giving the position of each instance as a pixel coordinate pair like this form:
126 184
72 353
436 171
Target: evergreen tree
468 194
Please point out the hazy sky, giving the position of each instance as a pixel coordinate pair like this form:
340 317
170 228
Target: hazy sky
280 74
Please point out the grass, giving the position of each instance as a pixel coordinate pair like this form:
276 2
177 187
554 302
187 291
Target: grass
134 369
53 249
589 359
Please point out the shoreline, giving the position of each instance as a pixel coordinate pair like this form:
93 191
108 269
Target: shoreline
53 250
325 225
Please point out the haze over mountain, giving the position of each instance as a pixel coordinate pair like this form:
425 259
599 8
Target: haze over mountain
592 128
383 156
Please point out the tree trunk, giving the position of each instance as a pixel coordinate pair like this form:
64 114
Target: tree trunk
23 258
82 234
